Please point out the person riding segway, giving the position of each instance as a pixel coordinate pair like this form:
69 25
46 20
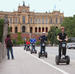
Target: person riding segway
33 41
25 44
62 57
43 40
28 45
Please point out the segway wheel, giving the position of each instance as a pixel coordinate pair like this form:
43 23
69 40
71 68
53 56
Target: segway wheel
57 60
39 55
31 51
68 60
24 48
35 52
46 55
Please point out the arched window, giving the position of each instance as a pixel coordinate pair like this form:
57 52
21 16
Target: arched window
16 29
46 29
35 29
43 29
10 29
31 29
39 29
23 28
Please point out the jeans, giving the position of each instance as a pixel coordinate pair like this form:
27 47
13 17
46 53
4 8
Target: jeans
63 50
24 46
10 50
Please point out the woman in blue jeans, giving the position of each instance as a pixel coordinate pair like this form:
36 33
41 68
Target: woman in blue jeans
9 45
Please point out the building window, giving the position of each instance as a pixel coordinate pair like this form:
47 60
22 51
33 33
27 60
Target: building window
38 21
43 29
23 29
42 20
16 20
10 20
35 29
23 19
10 28
35 20
56 20
61 20
46 29
16 29
31 20
39 29
31 29
46 20
50 20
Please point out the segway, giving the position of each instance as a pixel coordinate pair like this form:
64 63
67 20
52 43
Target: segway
28 48
44 53
66 58
33 50
25 46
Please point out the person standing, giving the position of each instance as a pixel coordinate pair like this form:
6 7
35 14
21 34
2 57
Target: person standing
9 46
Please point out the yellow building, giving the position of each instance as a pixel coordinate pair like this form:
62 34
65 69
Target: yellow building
25 21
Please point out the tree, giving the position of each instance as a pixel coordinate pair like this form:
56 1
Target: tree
69 24
52 35
1 29
19 39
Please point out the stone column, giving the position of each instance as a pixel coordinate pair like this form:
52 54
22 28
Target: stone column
0 52
5 32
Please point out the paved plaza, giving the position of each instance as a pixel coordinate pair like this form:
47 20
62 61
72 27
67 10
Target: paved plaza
26 63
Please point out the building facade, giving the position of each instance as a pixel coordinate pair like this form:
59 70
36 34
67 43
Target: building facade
25 21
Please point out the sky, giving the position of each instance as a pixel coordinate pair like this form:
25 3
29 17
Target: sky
65 6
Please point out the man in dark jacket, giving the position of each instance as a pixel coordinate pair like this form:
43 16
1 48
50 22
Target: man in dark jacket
9 45
42 39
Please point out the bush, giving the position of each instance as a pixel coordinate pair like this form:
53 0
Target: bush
38 43
14 41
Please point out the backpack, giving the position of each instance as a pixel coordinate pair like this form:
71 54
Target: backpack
9 43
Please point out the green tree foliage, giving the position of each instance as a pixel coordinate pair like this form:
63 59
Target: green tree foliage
52 35
19 39
1 29
69 24
9 30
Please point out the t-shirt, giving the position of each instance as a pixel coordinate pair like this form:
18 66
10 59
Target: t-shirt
28 42
62 36
33 40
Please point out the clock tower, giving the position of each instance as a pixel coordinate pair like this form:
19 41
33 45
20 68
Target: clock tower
23 8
